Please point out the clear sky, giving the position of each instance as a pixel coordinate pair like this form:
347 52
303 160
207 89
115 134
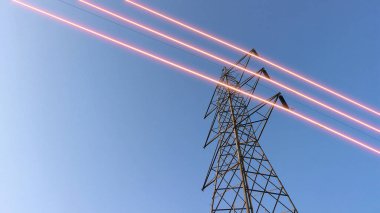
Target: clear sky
89 127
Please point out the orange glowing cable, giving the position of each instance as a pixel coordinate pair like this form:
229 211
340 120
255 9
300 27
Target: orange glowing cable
267 61
223 60
197 74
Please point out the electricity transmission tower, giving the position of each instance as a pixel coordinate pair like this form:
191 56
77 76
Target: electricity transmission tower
240 173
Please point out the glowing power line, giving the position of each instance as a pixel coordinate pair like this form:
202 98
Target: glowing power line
267 61
197 74
217 58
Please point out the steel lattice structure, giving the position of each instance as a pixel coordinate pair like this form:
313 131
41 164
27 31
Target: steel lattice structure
242 176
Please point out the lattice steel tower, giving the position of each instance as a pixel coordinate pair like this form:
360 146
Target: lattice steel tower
242 176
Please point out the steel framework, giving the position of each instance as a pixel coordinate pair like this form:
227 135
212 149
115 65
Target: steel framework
242 176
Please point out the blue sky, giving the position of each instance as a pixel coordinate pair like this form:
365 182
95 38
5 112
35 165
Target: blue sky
87 126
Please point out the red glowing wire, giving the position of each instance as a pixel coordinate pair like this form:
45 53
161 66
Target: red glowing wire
217 58
197 74
267 61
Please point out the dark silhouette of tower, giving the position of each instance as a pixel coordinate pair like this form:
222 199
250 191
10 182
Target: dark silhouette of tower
240 173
